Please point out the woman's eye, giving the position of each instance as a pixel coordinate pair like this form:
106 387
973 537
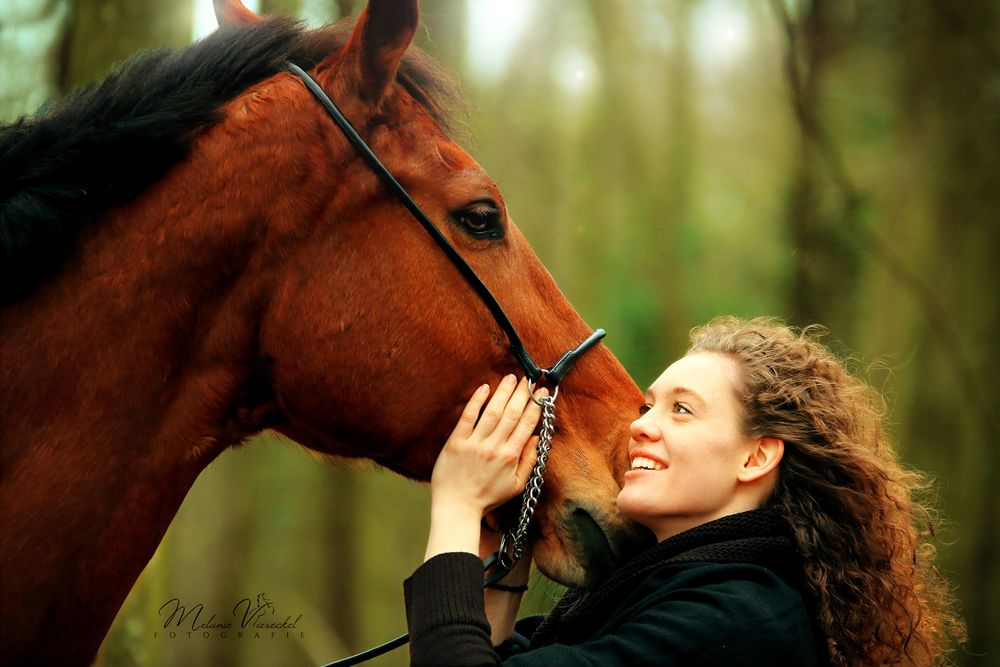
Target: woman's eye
481 220
644 408
681 408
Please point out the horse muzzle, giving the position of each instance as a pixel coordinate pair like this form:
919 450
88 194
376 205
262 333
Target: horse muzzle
591 545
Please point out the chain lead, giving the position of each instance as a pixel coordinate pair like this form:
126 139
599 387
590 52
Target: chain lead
533 487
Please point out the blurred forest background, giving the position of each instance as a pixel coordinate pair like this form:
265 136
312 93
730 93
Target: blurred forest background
831 161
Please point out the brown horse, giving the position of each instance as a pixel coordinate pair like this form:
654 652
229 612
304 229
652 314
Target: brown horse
192 253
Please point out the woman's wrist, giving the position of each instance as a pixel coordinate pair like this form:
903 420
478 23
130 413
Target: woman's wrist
501 612
454 527
455 505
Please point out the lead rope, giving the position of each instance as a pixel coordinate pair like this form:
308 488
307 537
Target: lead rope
503 560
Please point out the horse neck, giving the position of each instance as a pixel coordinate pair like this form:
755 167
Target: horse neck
120 380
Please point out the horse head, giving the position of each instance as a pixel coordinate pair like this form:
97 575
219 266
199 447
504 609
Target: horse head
373 340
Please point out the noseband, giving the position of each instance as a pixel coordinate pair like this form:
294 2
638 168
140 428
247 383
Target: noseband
512 543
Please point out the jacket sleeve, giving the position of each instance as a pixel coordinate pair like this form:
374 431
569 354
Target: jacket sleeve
444 611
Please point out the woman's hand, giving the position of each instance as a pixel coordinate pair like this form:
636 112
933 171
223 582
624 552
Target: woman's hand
485 462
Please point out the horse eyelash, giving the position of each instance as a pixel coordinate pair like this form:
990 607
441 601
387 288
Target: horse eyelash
483 211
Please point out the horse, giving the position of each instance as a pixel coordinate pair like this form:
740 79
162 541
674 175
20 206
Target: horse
193 254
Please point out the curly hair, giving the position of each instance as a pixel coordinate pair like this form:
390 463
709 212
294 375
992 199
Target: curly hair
855 513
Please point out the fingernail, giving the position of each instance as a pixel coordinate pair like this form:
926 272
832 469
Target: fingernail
510 379
543 392
483 389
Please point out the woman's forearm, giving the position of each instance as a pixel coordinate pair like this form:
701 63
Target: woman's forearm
501 611
502 605
457 527
454 527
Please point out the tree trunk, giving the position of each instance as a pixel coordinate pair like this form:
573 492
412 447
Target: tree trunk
338 507
644 130
949 68
442 32
104 32
291 8
29 69
823 207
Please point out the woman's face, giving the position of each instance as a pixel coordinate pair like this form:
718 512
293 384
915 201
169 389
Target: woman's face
687 448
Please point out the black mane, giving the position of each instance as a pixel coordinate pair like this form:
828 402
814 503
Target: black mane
109 141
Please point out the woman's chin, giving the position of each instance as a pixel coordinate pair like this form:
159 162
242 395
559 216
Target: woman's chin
628 504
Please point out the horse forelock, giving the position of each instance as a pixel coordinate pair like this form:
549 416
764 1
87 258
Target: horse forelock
107 142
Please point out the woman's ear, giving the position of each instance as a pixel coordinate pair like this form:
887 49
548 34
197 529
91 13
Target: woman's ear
761 458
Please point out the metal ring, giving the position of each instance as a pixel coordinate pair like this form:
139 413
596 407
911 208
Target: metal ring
507 560
531 392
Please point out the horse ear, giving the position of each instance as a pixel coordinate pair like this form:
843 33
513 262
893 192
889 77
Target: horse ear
233 11
379 40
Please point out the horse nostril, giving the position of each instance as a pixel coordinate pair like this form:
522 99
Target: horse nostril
592 546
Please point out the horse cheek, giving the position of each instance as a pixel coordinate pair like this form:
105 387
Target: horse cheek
346 381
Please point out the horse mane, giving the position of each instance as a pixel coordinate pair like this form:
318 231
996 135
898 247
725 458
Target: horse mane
110 140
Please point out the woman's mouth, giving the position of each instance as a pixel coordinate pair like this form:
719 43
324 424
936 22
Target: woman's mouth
643 463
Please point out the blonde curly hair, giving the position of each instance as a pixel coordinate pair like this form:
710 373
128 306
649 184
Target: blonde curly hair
855 513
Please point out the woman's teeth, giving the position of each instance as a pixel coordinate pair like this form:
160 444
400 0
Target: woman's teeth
645 464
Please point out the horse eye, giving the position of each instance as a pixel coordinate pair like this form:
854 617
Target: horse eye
481 220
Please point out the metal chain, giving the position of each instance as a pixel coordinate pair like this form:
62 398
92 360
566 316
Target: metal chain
533 487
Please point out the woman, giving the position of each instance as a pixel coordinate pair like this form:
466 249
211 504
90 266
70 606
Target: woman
787 531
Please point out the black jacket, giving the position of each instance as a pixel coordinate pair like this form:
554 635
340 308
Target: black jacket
724 593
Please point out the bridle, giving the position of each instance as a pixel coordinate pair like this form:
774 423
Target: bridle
512 542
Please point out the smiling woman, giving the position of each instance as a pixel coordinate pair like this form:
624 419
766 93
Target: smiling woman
856 515
692 462
786 531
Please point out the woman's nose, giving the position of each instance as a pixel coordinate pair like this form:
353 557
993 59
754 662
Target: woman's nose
644 428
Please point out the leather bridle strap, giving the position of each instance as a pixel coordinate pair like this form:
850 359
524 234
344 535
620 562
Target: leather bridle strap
532 370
